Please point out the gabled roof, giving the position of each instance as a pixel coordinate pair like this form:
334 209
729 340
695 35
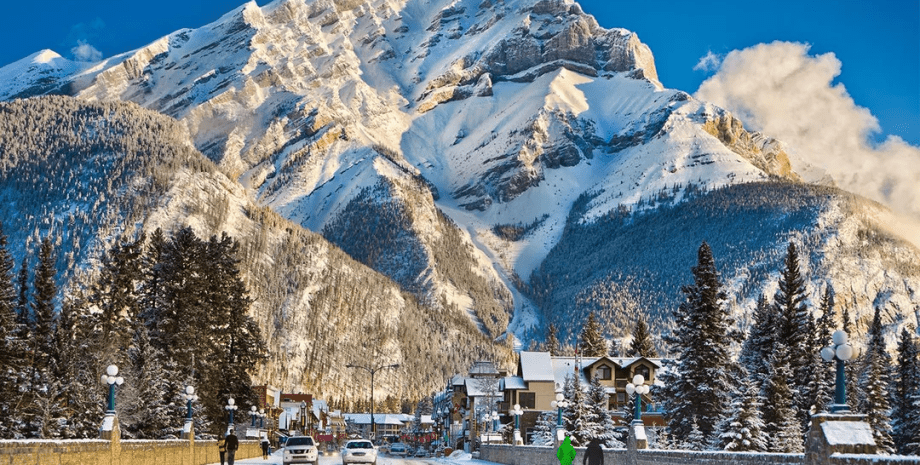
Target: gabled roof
536 366
483 367
628 361
512 382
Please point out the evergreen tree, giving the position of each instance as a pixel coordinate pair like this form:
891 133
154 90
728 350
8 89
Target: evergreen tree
641 344
81 397
744 428
155 410
592 342
824 372
700 387
907 384
602 423
874 381
759 344
45 290
11 349
115 295
576 417
695 439
552 342
794 329
23 310
544 430
782 425
852 367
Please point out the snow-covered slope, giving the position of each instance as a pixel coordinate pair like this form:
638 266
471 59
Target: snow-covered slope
498 114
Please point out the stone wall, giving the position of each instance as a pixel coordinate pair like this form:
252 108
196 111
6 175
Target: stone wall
684 457
859 459
127 452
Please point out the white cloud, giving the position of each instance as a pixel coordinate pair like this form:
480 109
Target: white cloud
85 52
708 62
782 91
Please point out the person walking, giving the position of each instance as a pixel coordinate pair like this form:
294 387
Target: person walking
222 448
566 452
233 443
264 446
594 455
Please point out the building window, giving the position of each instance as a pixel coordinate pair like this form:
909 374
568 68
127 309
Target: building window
644 371
603 372
528 400
621 397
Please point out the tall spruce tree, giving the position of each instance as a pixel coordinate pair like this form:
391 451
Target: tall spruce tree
874 382
43 405
602 424
591 341
114 293
23 309
782 425
794 329
81 397
744 429
552 341
576 417
11 350
641 344
699 386
907 384
823 376
757 347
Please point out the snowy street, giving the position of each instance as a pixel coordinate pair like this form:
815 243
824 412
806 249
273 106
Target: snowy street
457 459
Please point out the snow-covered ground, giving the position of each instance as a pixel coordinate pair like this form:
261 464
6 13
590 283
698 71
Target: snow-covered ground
458 458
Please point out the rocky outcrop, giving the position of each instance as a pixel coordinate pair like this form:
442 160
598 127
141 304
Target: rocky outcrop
764 152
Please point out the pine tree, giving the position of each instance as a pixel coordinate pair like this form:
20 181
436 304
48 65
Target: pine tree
757 347
907 384
552 342
641 344
602 423
782 425
592 342
114 293
45 290
81 398
874 382
11 349
544 430
23 310
823 375
794 328
744 428
695 439
155 409
699 388
576 417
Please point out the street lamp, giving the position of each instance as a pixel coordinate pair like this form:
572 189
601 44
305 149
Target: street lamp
372 371
188 432
640 389
840 351
517 412
254 412
230 407
494 421
262 418
111 378
303 416
559 403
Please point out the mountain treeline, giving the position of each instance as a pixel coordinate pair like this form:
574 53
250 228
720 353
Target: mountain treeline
169 312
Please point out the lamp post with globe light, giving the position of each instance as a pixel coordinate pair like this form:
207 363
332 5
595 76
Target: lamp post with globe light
517 412
110 427
253 413
559 403
639 388
188 431
841 352
230 408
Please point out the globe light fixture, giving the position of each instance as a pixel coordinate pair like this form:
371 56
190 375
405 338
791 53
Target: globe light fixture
841 352
230 408
517 412
112 379
639 388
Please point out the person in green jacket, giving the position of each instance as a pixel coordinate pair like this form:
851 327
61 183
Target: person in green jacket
566 452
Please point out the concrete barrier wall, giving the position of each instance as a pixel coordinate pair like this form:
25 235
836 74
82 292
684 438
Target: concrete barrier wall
685 457
857 459
127 452
539 455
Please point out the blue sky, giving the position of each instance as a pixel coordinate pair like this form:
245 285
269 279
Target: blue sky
878 42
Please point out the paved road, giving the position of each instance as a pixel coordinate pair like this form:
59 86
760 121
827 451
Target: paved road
275 459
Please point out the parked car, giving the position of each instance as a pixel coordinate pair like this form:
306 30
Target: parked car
422 452
399 449
359 451
300 449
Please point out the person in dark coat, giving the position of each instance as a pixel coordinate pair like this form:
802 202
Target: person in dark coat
594 454
222 448
233 443
264 447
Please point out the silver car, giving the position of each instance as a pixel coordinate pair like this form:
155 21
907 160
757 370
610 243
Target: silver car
300 449
359 451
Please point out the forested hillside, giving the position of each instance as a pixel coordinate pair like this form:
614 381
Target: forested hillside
628 262
96 172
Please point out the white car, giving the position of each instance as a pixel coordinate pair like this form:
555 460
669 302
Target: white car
359 451
300 449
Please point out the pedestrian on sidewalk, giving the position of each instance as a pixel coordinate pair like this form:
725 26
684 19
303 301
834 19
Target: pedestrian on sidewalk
233 443
566 452
222 448
594 455
264 446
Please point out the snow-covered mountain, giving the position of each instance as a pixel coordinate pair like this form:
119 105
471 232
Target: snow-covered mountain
456 146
